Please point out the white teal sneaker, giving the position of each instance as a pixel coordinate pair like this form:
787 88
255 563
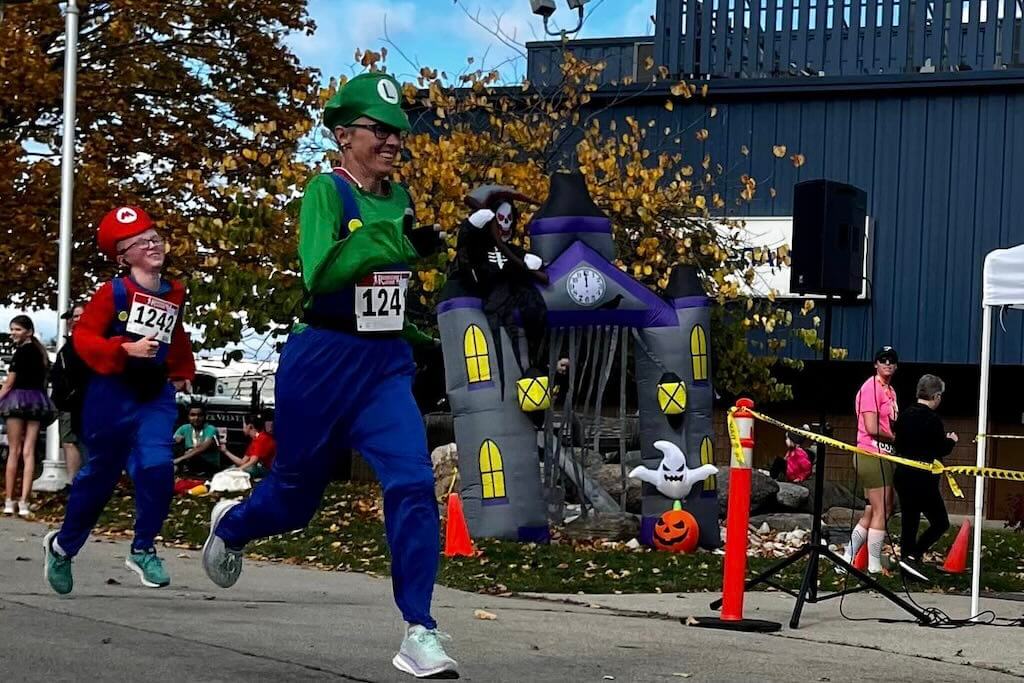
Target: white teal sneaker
56 567
422 654
149 567
222 564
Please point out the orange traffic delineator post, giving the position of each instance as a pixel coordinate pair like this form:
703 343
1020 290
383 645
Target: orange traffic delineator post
456 535
736 531
956 558
861 561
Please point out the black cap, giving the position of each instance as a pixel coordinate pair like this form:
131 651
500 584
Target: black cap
887 352
66 315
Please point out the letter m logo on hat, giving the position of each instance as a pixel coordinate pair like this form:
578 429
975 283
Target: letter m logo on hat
126 214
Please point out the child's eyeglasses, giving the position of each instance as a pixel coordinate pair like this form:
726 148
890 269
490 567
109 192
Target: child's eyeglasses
145 243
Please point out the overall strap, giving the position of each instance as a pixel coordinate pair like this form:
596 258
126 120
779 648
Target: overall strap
121 307
349 205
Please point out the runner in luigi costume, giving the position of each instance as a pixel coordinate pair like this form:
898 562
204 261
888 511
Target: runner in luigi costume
345 375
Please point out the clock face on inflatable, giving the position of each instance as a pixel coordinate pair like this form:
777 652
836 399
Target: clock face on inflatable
586 286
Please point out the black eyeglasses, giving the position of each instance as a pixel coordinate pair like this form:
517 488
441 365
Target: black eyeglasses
887 361
145 243
379 131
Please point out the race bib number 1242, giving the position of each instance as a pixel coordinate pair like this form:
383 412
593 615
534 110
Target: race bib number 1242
152 316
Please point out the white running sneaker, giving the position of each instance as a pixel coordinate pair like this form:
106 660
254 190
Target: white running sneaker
222 564
422 654
846 558
23 509
9 507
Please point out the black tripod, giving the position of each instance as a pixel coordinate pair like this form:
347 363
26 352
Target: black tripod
814 550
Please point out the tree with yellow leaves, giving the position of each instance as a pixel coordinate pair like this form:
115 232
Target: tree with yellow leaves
474 131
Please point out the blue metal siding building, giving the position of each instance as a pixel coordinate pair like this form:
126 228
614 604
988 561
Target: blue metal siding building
923 108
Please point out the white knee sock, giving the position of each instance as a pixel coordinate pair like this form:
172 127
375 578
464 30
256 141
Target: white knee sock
876 537
857 539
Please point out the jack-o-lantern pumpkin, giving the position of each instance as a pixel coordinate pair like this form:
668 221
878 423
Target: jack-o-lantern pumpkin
676 531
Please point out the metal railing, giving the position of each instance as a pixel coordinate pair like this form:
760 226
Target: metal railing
778 38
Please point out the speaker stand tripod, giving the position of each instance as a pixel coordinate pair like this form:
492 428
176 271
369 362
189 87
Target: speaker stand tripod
815 551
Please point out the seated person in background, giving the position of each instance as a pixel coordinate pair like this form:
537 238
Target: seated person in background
201 455
261 450
795 465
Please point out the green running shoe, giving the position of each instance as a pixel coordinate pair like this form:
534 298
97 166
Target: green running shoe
149 567
56 567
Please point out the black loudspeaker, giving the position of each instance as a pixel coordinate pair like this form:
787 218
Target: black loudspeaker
828 238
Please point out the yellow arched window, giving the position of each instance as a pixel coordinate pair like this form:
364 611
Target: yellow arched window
707 457
478 363
699 353
492 472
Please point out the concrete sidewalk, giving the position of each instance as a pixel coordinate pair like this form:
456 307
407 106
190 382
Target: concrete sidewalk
292 623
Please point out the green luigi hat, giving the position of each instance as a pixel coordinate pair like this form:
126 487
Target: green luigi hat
374 95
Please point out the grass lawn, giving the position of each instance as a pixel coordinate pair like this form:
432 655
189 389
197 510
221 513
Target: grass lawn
347 534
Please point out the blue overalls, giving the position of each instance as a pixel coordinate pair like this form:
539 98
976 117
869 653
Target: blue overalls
122 431
337 391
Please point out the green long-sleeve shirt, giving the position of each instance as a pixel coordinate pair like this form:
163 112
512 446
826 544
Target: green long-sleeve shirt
337 250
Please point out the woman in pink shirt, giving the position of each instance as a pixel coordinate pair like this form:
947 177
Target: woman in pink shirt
876 412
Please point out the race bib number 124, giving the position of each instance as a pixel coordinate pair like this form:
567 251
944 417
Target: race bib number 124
380 302
152 316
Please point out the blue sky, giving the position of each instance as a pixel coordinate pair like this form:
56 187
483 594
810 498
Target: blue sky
441 33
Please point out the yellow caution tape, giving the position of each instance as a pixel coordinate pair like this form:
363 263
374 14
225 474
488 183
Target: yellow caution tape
734 437
935 467
987 472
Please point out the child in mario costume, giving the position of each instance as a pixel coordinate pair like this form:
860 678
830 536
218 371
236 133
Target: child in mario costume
345 375
131 338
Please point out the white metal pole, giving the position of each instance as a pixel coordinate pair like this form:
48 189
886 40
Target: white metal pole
54 476
979 482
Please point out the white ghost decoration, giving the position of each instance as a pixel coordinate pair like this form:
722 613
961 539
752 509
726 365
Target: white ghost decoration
672 478
504 216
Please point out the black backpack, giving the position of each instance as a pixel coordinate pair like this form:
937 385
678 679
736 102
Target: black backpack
69 377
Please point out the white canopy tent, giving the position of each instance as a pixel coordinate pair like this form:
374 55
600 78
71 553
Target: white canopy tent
1002 285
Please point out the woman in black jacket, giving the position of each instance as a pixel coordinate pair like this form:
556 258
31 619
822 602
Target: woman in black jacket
921 436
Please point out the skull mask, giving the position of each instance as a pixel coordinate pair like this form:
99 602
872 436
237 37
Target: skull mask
506 218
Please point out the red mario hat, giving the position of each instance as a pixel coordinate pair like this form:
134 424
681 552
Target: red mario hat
120 224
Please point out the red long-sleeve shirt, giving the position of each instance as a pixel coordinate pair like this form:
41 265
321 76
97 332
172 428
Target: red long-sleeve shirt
105 355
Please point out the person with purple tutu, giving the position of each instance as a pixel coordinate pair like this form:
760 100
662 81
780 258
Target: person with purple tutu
26 408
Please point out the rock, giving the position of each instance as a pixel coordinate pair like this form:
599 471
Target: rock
633 544
834 495
764 528
612 526
445 460
633 459
841 518
609 477
763 490
782 521
793 496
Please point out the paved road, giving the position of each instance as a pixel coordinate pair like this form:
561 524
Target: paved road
291 623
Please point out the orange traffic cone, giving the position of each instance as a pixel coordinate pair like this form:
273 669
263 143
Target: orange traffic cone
456 536
861 561
956 558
